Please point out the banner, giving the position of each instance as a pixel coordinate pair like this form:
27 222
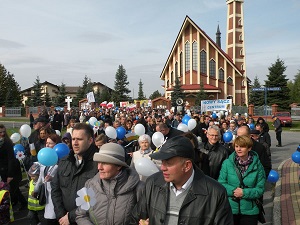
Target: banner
90 97
216 105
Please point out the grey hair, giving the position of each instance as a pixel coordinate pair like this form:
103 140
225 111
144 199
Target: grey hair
216 128
145 137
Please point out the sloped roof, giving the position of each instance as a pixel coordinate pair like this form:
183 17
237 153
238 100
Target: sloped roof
187 21
197 87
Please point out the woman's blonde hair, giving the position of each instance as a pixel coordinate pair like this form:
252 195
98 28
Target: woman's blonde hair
243 141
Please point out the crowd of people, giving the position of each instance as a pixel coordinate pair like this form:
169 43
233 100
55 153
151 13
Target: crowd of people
197 183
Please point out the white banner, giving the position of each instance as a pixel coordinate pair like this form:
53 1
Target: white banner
216 105
90 97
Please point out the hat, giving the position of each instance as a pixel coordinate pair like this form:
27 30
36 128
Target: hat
34 169
273 116
111 153
254 132
67 136
176 146
40 119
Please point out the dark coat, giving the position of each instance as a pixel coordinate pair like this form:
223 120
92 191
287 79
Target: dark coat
206 202
69 179
263 156
7 160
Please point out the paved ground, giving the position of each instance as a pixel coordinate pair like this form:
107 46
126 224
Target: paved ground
290 143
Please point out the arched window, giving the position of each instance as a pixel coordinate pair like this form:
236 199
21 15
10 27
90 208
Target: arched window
195 56
181 64
240 23
176 69
221 74
212 68
242 52
203 63
229 80
168 83
187 56
241 37
172 77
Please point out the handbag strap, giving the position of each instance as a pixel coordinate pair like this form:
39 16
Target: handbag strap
239 175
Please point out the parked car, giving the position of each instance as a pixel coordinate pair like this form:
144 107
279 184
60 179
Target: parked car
285 118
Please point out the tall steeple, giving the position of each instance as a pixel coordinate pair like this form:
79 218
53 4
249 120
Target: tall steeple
235 42
218 37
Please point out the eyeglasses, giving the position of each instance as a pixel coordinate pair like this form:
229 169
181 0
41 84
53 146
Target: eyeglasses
212 135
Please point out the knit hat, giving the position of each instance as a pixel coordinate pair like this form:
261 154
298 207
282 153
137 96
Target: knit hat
111 153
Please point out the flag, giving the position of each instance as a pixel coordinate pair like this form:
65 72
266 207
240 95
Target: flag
103 104
90 97
110 105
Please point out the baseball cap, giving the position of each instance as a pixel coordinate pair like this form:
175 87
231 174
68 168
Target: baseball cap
176 146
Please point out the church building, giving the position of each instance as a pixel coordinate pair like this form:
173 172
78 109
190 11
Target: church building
195 57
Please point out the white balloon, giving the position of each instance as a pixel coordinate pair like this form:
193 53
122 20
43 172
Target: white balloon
57 132
192 124
158 139
214 111
237 114
226 113
92 120
139 129
219 115
145 167
25 130
183 127
246 114
111 132
15 137
222 112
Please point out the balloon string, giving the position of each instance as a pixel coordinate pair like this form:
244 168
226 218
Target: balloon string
25 170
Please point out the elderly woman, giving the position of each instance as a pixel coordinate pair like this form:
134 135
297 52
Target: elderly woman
244 191
144 151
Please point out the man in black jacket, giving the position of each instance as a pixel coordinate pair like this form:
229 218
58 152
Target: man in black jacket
72 173
213 153
180 193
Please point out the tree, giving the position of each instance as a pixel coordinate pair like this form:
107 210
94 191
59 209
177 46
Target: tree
47 100
121 86
37 95
177 92
295 88
155 95
201 95
141 95
87 86
61 96
276 78
256 97
105 95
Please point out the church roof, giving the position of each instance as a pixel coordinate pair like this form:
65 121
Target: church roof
197 87
188 21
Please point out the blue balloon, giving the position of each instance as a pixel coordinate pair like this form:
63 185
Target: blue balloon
19 148
117 108
47 157
296 157
273 176
214 116
121 132
227 136
61 150
251 126
186 119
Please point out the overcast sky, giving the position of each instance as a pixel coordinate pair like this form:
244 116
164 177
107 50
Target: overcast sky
61 41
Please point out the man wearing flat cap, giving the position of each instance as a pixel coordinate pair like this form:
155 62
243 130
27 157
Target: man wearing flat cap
117 188
180 193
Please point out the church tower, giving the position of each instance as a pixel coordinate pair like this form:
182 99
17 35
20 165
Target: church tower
235 45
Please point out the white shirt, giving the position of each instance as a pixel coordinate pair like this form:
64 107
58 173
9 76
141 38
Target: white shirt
185 186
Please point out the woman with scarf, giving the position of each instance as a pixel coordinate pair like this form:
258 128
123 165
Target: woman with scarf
243 176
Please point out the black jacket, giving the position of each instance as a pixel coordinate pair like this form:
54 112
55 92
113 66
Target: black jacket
211 159
263 156
7 160
205 203
69 179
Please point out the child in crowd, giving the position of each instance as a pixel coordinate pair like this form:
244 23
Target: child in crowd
35 209
6 213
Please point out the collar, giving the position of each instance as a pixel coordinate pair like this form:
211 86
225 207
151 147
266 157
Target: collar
184 187
145 152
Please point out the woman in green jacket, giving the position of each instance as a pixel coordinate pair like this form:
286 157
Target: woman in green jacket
242 196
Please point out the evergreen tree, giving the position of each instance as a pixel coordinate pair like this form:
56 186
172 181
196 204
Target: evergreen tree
61 96
256 97
3 73
12 91
97 96
141 95
87 86
177 92
105 95
37 95
295 88
47 100
155 95
276 78
29 102
121 86
201 95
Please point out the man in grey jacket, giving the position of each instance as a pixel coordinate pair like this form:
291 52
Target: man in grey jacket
180 193
117 189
